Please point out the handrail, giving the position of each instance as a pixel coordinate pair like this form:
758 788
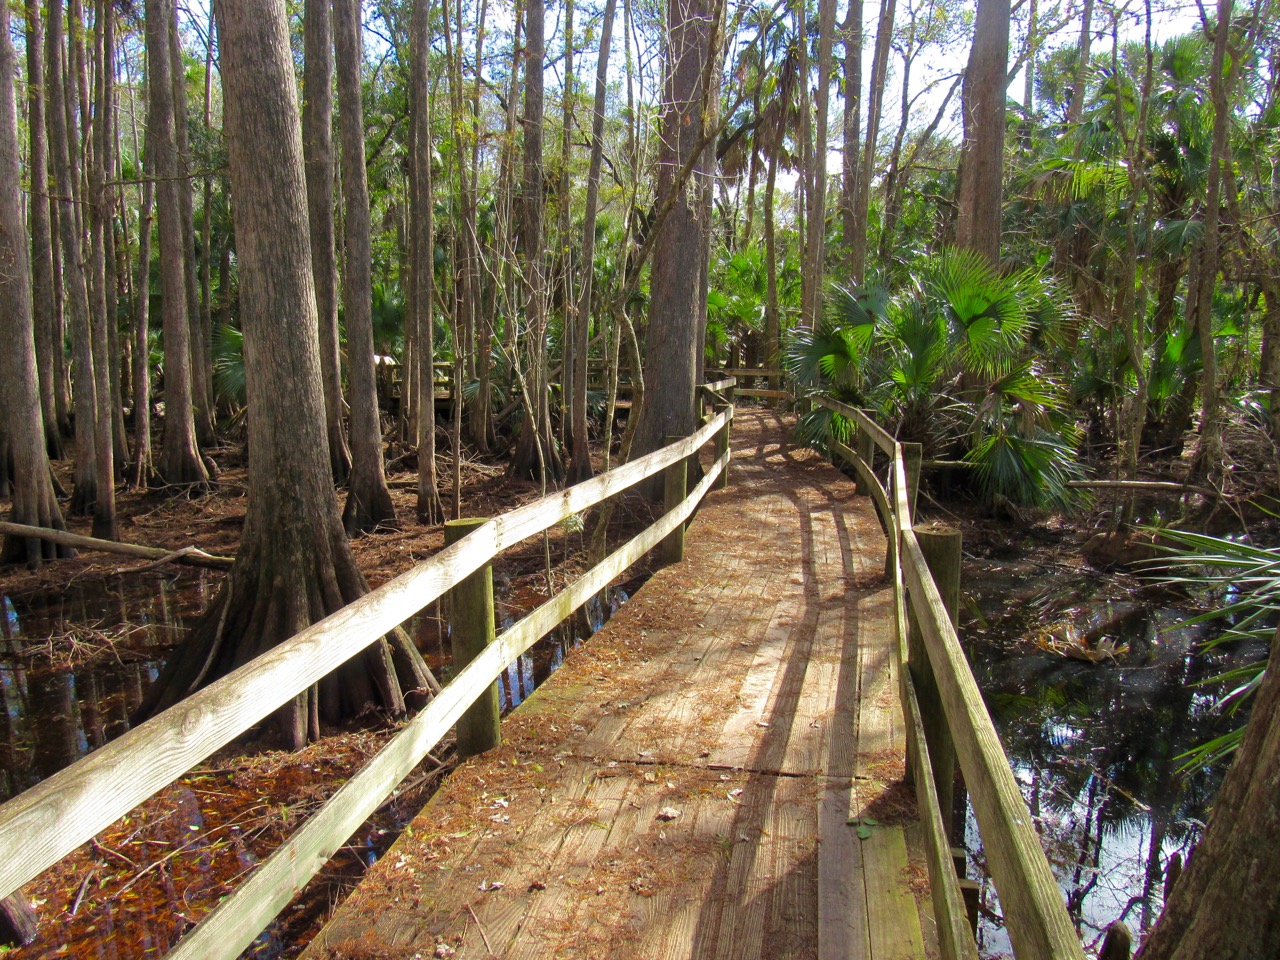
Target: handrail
43 824
1035 915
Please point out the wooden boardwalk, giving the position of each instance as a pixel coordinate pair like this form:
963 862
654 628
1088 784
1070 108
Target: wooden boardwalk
716 774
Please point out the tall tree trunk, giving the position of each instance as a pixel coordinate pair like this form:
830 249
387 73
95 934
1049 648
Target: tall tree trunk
201 337
1208 458
422 244
368 499
103 299
180 463
20 415
294 564
76 293
982 155
41 233
570 322
673 351
851 33
815 249
317 147
143 472
535 454
772 322
580 468
1075 107
875 89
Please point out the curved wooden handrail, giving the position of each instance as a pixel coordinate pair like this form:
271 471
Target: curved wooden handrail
45 823
1034 912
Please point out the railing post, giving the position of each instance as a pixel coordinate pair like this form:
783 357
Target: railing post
722 447
912 454
674 484
866 453
471 630
941 546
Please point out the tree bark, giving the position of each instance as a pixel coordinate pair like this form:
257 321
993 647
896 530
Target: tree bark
875 90
21 418
815 248
982 155
1075 107
422 244
294 565
852 35
368 499
103 292
1227 902
201 335
535 454
673 351
75 289
317 147
180 463
41 233
580 468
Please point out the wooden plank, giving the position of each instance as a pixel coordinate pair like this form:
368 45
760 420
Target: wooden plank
50 820
843 933
955 939
1035 914
763 393
749 372
878 493
892 921
238 920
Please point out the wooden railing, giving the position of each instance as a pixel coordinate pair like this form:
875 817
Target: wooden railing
940 695
44 824
750 373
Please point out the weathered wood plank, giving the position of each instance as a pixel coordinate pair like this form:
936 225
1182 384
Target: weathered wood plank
891 908
843 933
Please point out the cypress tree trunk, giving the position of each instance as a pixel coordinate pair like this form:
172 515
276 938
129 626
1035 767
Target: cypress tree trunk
294 565
21 420
580 468
368 499
673 352
535 454
317 148
852 35
75 291
422 246
875 89
42 234
180 462
982 156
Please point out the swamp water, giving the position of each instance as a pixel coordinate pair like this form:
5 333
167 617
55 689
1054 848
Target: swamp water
1091 681
74 665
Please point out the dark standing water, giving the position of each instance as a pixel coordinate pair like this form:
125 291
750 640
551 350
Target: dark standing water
74 666
1096 746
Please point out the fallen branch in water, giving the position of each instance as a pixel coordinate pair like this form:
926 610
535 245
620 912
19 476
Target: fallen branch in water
188 555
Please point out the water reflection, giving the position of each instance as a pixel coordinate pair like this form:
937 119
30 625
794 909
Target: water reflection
1096 745
74 665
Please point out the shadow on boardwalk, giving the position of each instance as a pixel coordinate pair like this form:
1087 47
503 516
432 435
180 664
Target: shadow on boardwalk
683 786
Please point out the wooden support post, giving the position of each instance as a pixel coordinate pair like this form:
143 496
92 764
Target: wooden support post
971 892
941 548
675 482
867 454
471 630
17 920
722 446
912 453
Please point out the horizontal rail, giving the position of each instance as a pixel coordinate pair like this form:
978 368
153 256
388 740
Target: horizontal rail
237 921
766 394
719 386
882 438
43 824
749 372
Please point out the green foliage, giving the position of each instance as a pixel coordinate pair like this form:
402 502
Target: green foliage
1244 582
228 365
950 362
